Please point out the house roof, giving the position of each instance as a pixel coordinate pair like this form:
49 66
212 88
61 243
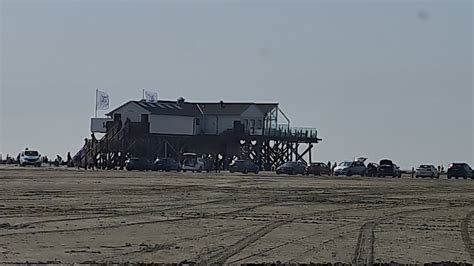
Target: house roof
198 109
233 108
266 107
224 108
167 108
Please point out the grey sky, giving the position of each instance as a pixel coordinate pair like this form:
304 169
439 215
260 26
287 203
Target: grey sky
381 79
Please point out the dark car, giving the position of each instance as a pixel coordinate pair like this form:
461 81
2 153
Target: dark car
318 169
292 168
388 168
166 164
137 164
372 169
243 166
457 170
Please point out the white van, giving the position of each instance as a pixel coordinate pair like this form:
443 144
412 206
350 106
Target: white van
30 157
193 163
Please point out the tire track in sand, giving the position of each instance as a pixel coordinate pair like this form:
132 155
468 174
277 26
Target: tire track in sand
140 223
466 238
223 256
364 250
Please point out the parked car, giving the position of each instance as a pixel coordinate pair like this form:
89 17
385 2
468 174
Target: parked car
139 164
457 170
426 170
348 168
30 157
291 168
388 168
166 164
372 169
192 162
318 169
243 166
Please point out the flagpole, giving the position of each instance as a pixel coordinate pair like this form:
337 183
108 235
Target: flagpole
96 92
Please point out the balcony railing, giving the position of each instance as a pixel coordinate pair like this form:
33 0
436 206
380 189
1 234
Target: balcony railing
285 131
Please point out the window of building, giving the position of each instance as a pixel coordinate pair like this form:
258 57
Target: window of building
117 117
259 124
246 123
252 123
198 121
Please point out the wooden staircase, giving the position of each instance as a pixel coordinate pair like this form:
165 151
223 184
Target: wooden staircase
108 151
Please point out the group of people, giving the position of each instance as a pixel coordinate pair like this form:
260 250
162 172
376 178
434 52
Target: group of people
44 160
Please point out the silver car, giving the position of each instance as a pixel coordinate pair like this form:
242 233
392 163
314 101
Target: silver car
348 168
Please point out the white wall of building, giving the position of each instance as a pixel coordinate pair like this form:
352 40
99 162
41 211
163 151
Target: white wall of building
252 119
212 124
252 111
98 125
167 124
225 122
208 125
131 111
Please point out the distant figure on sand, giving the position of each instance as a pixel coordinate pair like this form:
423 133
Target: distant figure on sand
90 163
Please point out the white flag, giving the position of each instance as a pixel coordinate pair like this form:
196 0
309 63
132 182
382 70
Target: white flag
102 100
151 96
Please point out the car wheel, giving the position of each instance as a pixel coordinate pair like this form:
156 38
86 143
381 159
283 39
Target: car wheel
349 174
449 177
256 172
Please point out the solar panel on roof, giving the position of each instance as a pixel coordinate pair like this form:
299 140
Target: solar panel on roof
178 107
161 105
169 106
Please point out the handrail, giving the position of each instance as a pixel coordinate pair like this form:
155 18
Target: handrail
285 131
115 130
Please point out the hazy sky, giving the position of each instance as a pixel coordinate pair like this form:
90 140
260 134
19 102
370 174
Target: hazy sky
377 78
